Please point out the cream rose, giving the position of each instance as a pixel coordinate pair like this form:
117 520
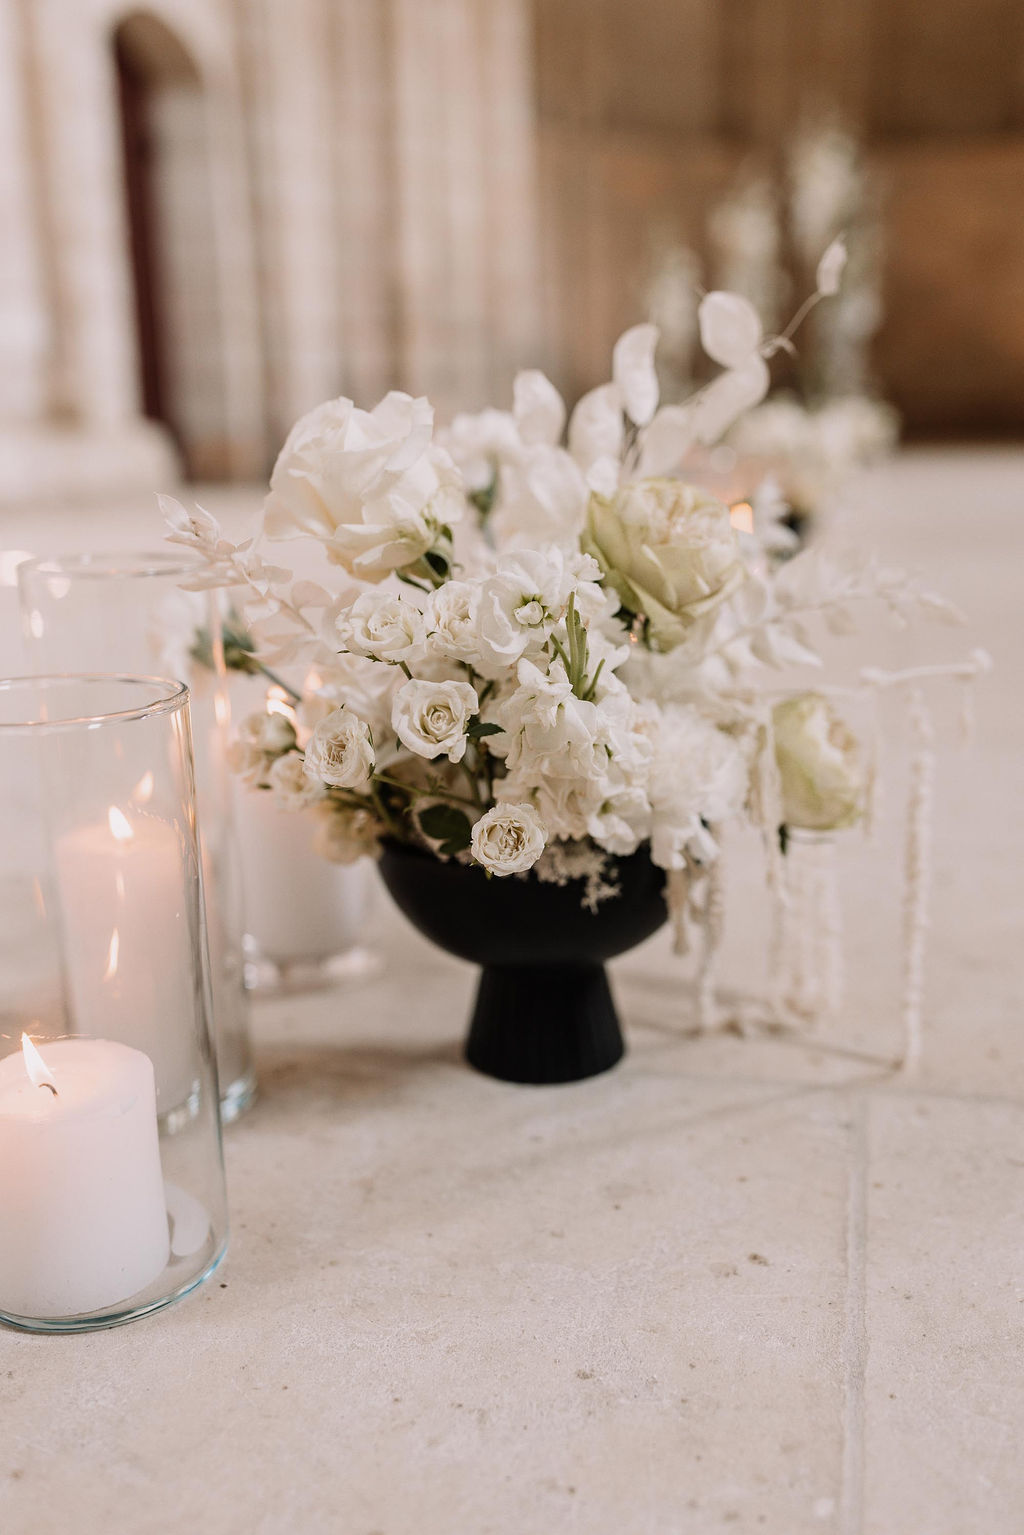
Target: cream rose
292 786
668 549
340 752
260 739
508 839
383 627
820 766
430 718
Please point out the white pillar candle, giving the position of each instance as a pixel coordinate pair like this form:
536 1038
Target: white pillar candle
83 1218
299 907
127 948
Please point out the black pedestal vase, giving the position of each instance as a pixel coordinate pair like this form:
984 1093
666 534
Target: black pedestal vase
544 1011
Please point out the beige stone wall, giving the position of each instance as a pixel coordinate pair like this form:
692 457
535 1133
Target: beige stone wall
340 195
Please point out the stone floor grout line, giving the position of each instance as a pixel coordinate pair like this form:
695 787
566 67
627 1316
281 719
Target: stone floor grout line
855 1342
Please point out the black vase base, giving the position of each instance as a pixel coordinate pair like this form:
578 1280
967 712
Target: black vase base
544 1024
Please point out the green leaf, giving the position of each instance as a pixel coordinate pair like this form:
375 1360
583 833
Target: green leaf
448 825
438 562
477 728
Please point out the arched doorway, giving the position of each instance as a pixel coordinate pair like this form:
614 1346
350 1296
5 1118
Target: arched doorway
169 218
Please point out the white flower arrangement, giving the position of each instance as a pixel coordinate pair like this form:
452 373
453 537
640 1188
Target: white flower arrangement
549 648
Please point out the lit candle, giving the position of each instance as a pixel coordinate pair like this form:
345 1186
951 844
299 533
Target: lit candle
83 1217
126 940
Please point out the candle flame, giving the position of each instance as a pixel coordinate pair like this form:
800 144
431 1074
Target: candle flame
112 953
278 703
119 824
143 791
742 517
39 1074
313 680
222 709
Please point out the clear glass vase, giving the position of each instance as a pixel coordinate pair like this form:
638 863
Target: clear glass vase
128 612
112 1197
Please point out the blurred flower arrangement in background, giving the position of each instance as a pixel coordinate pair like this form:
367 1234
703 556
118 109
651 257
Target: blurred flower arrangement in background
825 419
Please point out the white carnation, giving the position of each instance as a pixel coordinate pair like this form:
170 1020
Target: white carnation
698 778
508 839
340 752
430 718
384 627
292 787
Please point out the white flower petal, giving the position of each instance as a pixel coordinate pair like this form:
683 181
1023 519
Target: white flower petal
667 440
830 268
597 429
730 328
538 408
634 374
727 397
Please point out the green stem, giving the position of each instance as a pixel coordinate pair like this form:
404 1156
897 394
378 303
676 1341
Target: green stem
410 789
278 682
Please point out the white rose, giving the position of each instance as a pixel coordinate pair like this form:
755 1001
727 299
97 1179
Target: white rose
508 839
430 718
668 549
293 788
371 486
246 760
259 740
340 752
269 733
346 833
452 613
382 626
819 762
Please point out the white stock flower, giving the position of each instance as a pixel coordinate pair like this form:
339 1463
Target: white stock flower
508 839
430 718
520 604
382 626
340 752
668 549
292 787
820 768
370 485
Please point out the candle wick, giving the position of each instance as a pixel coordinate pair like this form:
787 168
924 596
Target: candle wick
50 1086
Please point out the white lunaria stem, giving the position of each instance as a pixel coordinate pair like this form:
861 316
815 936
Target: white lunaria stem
917 880
714 913
873 785
830 917
678 897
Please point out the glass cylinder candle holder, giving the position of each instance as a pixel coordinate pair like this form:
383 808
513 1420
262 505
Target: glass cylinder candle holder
129 612
307 918
112 1198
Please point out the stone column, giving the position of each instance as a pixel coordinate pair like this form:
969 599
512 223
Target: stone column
466 216
290 89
